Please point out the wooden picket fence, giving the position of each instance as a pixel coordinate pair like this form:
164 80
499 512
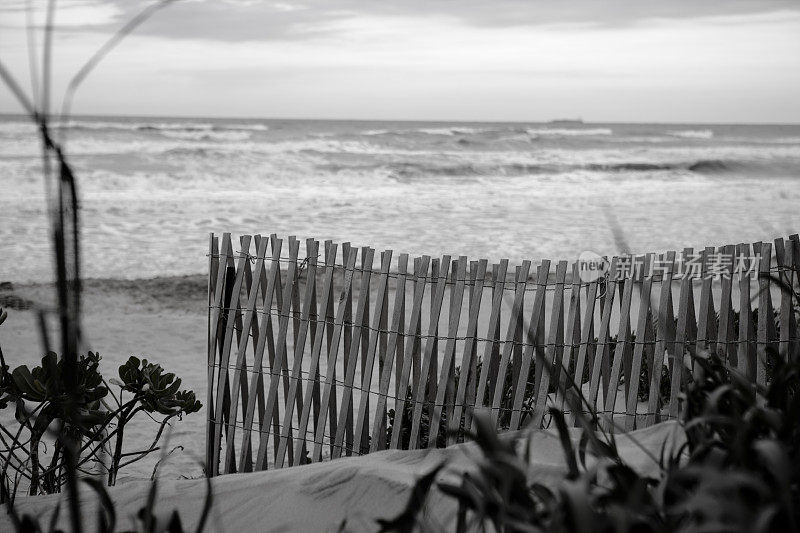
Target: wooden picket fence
320 354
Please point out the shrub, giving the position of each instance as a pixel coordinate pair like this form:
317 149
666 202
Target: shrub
46 413
737 471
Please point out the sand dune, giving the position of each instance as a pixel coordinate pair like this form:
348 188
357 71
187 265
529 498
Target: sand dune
353 491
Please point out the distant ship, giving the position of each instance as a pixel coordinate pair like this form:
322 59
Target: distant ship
566 121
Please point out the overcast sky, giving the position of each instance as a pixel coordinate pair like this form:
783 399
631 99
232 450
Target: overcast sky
601 60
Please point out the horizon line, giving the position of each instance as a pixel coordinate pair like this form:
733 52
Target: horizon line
5 114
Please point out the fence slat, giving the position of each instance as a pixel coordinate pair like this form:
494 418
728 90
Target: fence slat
515 361
468 360
330 326
520 384
511 335
348 341
583 349
603 336
420 275
784 259
663 338
706 315
765 312
333 352
224 358
383 345
316 349
393 350
486 383
362 421
448 361
572 337
268 285
216 340
725 349
623 341
546 365
214 293
429 359
746 357
281 357
312 248
643 325
345 407
239 368
793 326
675 350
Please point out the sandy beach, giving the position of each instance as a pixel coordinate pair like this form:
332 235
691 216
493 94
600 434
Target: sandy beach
161 319
347 494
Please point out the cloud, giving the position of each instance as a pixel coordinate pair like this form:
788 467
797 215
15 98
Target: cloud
490 60
266 20
70 14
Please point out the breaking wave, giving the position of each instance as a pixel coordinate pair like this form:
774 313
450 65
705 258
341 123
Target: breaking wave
692 134
568 132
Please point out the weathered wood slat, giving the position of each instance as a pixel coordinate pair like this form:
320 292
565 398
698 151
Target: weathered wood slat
239 368
214 293
793 326
765 312
532 351
746 357
362 420
784 259
268 284
320 336
312 247
333 352
468 360
726 349
603 336
393 349
663 338
583 350
348 341
448 361
420 275
676 350
545 366
486 383
515 361
224 356
367 255
572 338
363 326
429 359
281 357
511 334
623 340
707 315
642 327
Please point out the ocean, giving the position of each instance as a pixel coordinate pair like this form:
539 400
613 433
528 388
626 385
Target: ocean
153 188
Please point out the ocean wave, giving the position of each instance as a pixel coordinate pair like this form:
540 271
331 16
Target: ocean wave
714 166
207 135
444 131
452 131
567 132
157 127
408 171
628 167
692 134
